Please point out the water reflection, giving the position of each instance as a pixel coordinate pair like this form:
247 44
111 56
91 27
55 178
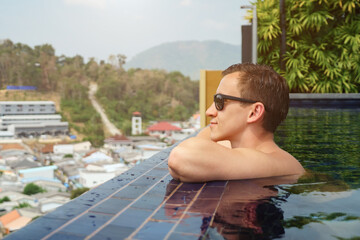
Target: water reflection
250 209
254 209
245 209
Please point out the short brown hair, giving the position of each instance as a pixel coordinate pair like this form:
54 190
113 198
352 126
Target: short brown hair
261 83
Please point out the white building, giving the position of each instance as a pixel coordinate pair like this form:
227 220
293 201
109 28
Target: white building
95 174
7 120
46 172
136 124
118 142
30 118
82 146
26 107
63 149
97 157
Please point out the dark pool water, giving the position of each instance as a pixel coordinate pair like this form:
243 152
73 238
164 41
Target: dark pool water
325 203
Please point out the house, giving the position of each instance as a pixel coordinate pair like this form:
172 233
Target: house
95 174
46 172
118 142
97 157
162 130
48 201
148 150
91 179
82 146
63 149
13 221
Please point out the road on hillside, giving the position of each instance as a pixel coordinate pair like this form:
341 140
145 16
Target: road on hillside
108 125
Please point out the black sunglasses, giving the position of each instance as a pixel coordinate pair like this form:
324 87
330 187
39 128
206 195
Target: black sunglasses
219 100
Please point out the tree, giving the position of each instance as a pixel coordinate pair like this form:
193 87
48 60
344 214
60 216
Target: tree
322 40
32 188
77 192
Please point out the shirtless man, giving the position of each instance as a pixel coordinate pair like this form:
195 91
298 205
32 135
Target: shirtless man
249 104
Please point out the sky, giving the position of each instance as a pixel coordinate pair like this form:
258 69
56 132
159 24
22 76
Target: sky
100 28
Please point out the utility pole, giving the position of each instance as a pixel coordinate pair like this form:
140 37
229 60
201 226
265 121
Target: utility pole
283 35
254 32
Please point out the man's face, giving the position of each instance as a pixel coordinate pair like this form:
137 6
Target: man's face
228 123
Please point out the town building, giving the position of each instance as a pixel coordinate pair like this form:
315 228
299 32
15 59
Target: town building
30 118
136 124
162 130
118 142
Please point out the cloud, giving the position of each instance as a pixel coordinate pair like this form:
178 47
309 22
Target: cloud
185 3
88 3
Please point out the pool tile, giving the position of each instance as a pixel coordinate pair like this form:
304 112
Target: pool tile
86 224
113 232
184 236
66 236
115 183
111 206
131 217
194 223
154 230
69 210
181 198
93 197
217 184
211 192
190 187
206 206
145 181
40 228
159 189
169 212
131 192
149 202
158 172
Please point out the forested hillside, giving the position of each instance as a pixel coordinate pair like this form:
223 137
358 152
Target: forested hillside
157 94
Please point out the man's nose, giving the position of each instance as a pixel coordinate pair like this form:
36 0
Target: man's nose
211 111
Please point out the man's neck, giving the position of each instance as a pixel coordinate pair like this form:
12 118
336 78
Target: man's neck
254 139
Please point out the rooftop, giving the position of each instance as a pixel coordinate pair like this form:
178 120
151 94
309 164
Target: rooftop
163 126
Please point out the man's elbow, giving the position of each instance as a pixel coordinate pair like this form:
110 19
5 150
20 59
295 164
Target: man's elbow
174 163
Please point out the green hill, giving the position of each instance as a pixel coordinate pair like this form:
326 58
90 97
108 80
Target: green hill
188 57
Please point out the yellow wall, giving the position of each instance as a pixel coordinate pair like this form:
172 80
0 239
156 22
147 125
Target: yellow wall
209 81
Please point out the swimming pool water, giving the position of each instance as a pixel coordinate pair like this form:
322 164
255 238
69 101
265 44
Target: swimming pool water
325 203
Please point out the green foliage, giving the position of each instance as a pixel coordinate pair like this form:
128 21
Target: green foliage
300 221
32 188
77 192
68 155
22 205
322 41
80 109
158 95
4 199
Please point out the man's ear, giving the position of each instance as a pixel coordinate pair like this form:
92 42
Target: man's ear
257 112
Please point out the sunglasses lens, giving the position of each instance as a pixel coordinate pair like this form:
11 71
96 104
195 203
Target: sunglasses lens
219 102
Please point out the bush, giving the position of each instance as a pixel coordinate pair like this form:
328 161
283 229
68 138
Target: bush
4 199
32 188
22 205
77 192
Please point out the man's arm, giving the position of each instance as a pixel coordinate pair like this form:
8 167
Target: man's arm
199 159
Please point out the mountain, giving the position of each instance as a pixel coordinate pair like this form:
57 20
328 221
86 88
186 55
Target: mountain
188 57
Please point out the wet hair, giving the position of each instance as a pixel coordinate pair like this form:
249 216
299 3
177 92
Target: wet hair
261 83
